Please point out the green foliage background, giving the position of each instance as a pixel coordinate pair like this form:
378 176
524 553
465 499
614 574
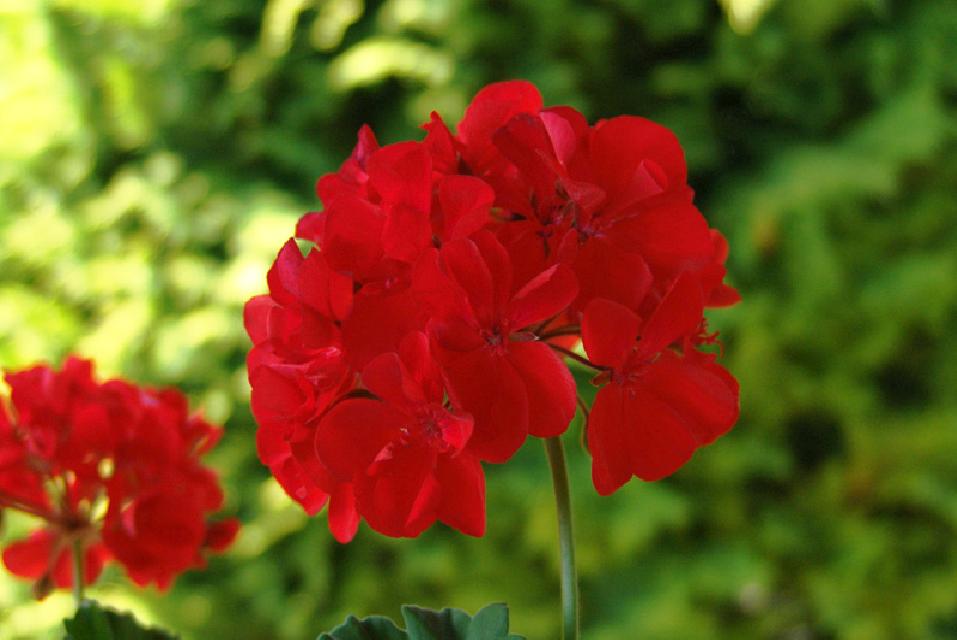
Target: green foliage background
155 154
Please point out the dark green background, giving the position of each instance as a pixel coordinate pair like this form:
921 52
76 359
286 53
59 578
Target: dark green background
154 155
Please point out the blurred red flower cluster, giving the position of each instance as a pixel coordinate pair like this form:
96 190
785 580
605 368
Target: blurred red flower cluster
424 331
112 467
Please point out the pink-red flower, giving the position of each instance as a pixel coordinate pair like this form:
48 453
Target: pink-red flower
425 328
111 466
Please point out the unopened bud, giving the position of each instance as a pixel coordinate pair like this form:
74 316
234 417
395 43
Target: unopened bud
43 586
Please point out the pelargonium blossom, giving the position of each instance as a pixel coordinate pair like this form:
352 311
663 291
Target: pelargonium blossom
112 467
493 249
404 449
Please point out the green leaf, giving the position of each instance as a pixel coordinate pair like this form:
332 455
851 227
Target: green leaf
93 622
491 623
372 628
426 624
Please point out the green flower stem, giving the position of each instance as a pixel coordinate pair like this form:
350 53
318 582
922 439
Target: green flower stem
566 543
78 580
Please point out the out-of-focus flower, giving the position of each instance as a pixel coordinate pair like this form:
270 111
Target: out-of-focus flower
112 467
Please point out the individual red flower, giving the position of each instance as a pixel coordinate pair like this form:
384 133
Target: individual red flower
114 467
404 450
610 200
657 405
497 245
45 556
513 384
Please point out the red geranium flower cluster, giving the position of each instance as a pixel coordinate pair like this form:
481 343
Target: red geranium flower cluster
424 331
112 467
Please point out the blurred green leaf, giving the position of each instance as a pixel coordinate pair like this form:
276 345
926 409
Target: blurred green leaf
93 622
490 623
372 628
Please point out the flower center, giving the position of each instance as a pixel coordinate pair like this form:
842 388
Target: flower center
496 336
429 427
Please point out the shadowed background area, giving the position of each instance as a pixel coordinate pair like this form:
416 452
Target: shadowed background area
155 155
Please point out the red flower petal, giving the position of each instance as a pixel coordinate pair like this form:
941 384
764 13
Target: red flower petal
388 378
435 290
378 323
399 497
256 316
441 147
605 270
416 354
627 154
491 108
294 481
352 433
465 203
402 174
678 314
724 296
92 433
455 430
310 226
499 266
526 143
343 517
353 235
549 385
279 394
529 252
488 386
671 237
220 535
366 145
566 127
31 557
463 493
351 177
544 296
157 535
609 331
658 441
703 393
283 277
607 424
465 264
323 289
407 233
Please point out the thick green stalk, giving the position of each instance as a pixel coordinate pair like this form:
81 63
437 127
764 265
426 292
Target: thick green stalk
566 542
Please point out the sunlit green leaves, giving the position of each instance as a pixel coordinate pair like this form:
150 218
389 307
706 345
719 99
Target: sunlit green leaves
377 59
744 15
37 100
